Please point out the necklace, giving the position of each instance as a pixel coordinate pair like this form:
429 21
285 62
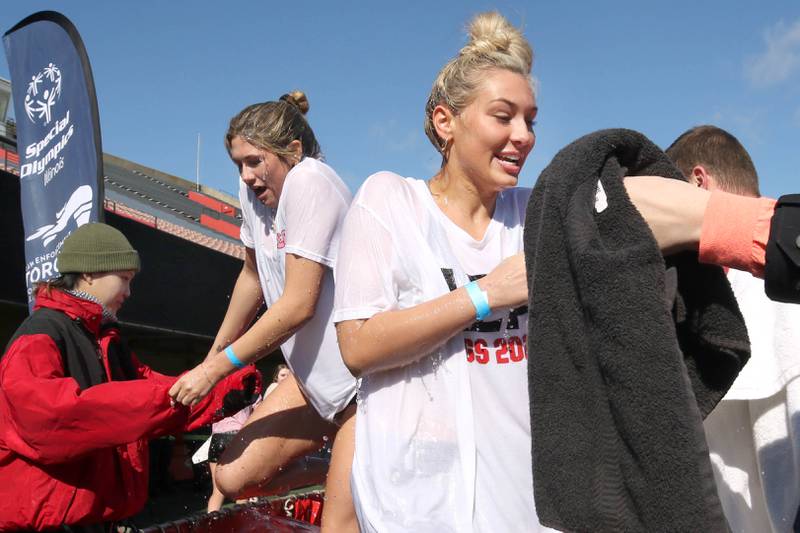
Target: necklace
437 196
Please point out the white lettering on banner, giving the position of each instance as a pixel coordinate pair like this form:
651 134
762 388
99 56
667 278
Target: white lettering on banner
41 96
40 272
34 149
42 268
39 166
51 172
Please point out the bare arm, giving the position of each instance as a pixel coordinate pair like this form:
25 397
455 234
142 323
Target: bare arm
289 313
244 304
673 209
395 338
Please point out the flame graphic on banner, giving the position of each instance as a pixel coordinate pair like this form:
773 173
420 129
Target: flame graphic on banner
79 207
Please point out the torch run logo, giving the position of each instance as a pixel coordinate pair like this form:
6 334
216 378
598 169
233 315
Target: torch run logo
43 157
78 209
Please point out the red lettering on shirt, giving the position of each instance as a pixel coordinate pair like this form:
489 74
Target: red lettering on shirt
481 353
502 351
516 349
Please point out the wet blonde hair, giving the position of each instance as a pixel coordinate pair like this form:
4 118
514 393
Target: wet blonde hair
493 44
272 126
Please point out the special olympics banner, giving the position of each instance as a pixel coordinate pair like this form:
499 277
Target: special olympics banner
58 137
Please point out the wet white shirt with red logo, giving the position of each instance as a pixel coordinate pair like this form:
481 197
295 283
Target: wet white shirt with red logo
306 223
442 444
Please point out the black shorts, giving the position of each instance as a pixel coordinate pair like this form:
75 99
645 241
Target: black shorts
219 441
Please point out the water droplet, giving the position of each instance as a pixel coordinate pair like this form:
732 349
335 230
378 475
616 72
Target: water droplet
437 359
360 400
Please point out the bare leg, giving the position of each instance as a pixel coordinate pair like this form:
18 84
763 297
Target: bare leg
216 499
298 473
284 427
338 513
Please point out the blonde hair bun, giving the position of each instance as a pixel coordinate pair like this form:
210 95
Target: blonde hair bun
494 44
490 33
297 99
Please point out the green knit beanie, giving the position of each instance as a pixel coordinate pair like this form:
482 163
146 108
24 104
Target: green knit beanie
96 247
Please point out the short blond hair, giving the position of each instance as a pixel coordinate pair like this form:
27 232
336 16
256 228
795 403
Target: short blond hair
494 44
272 126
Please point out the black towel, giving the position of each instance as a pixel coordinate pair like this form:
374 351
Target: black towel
619 379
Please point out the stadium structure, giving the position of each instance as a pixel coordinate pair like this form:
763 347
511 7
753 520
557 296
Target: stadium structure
188 238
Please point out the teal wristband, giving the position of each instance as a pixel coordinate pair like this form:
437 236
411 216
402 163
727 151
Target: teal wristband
479 299
232 358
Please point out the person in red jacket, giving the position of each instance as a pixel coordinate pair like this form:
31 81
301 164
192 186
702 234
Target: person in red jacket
76 406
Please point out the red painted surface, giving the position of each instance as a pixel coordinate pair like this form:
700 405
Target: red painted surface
9 156
250 518
231 230
212 203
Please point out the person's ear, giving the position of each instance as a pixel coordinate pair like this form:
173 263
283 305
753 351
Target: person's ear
87 278
296 148
700 177
442 119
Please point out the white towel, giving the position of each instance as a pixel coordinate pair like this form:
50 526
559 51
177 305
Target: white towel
201 455
754 433
774 330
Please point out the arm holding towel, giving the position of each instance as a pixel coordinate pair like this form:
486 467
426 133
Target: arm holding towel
758 235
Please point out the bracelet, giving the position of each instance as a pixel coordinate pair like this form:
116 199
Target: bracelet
233 359
479 299
203 366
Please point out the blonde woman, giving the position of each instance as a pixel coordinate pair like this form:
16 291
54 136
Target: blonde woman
430 308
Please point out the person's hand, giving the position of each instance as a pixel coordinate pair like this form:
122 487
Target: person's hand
193 386
507 284
673 210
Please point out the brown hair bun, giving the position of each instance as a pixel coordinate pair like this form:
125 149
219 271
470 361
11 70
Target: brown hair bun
297 99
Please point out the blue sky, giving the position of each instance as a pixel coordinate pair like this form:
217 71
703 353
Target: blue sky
166 71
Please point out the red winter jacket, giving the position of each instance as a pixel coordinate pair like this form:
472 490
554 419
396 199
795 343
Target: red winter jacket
72 454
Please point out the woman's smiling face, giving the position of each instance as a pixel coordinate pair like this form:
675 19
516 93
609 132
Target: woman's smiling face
493 135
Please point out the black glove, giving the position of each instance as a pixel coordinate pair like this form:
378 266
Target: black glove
237 399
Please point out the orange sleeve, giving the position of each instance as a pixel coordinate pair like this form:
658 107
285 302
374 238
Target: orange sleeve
735 231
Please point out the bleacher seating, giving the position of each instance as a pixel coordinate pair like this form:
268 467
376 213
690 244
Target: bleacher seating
200 219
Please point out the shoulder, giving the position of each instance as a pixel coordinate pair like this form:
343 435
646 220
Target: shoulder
518 194
382 186
36 343
314 175
516 198
44 321
385 178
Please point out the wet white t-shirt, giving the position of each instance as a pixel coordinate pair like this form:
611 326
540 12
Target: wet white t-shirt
495 351
306 223
442 444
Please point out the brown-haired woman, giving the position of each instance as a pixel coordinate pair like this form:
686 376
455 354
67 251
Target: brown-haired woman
292 208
